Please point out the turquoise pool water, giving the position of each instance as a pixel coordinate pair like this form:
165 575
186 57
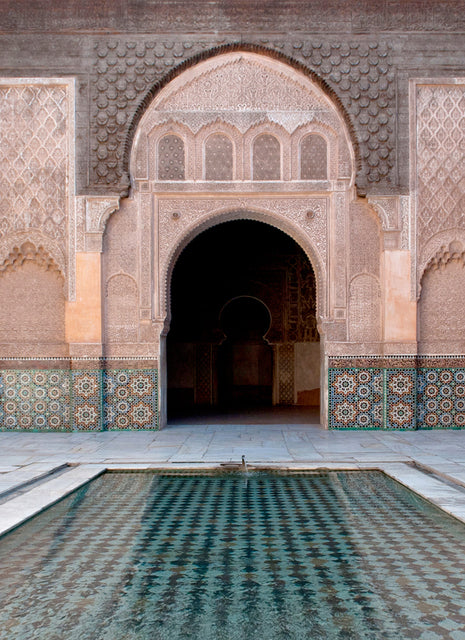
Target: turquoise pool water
139 556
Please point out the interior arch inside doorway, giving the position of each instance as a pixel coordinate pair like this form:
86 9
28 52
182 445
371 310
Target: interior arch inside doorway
243 321
245 358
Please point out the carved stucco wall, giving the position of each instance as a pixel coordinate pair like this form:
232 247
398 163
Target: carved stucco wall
441 308
121 318
263 96
438 159
359 73
365 309
32 304
37 169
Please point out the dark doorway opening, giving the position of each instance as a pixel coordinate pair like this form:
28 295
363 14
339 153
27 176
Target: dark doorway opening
245 359
243 332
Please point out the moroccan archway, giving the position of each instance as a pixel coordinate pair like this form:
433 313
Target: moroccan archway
247 96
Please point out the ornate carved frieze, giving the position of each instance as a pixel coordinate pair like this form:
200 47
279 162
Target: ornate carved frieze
11 245
388 211
98 210
360 74
394 215
314 16
455 252
92 213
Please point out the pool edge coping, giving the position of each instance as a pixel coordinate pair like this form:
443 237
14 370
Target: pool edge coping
21 508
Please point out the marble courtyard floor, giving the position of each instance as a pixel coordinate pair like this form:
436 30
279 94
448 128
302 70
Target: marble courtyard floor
37 469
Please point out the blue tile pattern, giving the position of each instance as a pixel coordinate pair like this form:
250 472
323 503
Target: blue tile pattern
35 400
356 398
130 399
400 398
441 398
78 400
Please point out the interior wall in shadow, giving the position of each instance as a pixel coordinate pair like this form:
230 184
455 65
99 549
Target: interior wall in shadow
243 321
245 359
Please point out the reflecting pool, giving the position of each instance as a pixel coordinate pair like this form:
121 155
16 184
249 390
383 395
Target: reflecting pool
259 557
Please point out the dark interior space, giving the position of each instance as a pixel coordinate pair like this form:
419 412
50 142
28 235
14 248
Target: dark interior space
240 292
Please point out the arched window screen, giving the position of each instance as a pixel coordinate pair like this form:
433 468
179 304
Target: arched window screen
218 158
171 158
313 158
266 158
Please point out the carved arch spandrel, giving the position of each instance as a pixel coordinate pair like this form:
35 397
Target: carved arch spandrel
171 252
34 243
272 57
439 250
308 101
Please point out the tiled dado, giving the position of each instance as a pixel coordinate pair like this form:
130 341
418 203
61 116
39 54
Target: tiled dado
413 393
78 400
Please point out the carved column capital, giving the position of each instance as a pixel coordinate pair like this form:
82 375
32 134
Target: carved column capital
98 210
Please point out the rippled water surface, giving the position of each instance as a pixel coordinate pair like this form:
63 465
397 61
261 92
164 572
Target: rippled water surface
139 556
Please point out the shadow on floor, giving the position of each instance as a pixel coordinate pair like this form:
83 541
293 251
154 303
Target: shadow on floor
254 415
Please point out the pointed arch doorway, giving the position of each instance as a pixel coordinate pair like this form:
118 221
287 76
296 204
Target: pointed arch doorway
243 336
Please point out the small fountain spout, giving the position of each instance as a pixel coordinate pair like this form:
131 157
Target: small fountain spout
244 464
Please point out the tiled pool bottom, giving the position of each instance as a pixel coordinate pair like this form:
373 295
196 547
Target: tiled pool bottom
346 555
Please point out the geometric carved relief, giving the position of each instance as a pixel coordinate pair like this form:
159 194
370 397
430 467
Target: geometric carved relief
363 78
442 303
32 302
218 158
249 95
170 158
360 74
365 309
36 161
266 158
439 158
313 158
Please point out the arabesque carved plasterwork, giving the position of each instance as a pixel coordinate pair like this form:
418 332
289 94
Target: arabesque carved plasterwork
19 244
247 94
438 251
98 210
304 219
37 168
440 158
251 86
361 74
387 208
